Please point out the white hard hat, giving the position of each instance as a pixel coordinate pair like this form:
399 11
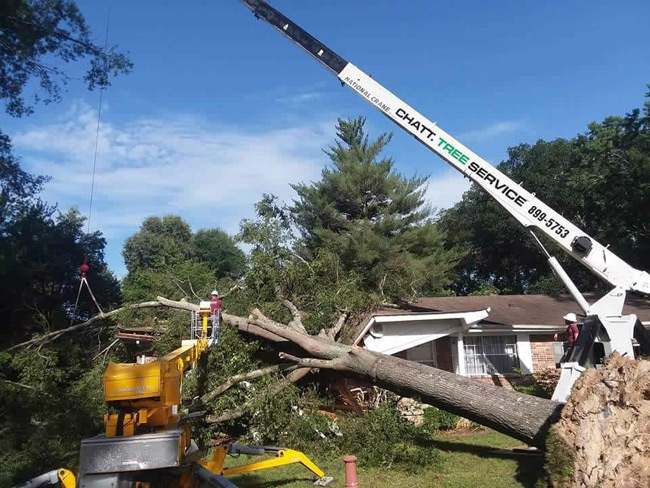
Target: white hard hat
571 317
215 292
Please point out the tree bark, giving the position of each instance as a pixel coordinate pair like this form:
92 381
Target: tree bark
516 414
521 416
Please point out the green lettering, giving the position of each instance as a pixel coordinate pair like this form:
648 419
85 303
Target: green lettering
463 159
449 148
442 141
457 154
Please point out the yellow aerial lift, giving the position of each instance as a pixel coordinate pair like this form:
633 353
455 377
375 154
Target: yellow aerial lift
146 442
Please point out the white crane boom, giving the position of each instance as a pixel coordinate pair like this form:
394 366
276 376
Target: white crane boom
523 205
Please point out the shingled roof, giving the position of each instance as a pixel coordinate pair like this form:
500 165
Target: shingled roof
521 309
508 310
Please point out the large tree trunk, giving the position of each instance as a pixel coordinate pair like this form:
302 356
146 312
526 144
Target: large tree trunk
604 430
601 439
521 416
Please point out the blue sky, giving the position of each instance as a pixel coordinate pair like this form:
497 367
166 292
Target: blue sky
221 108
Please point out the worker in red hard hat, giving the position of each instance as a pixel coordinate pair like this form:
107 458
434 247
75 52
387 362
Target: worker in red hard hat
572 332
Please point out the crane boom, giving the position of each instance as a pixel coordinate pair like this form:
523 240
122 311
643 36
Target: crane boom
523 205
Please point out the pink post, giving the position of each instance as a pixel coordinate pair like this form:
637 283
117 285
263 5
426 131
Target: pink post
350 472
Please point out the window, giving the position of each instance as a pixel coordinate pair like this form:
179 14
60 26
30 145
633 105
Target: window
486 355
424 353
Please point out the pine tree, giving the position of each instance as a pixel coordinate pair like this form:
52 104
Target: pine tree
376 220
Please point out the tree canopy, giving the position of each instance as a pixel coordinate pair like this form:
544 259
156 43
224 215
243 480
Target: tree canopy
38 36
165 257
41 250
374 219
599 180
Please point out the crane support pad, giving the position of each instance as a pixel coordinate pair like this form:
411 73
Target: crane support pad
133 453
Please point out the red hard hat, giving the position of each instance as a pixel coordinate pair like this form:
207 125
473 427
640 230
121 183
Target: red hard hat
84 268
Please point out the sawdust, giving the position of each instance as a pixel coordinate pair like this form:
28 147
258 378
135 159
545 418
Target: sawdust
606 426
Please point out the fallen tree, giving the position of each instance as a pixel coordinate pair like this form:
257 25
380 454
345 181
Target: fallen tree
516 414
600 438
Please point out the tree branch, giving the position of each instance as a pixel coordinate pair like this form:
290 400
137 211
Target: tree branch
181 305
189 282
251 375
311 362
333 331
106 349
296 322
101 316
230 415
302 260
243 409
22 385
233 289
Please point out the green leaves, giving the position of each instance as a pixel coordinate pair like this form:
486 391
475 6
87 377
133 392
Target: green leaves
42 250
36 32
215 247
165 258
375 220
159 243
599 180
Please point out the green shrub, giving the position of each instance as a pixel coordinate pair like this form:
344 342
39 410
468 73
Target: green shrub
436 420
383 438
558 463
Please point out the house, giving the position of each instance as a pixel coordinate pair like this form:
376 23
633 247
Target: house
489 337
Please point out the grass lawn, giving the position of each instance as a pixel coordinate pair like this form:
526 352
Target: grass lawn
466 462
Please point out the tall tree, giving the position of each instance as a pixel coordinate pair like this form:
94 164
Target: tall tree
218 250
41 252
160 242
165 257
375 219
18 189
599 180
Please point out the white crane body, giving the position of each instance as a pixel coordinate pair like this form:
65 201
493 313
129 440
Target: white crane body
523 205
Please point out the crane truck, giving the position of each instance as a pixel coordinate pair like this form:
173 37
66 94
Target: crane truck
605 322
147 442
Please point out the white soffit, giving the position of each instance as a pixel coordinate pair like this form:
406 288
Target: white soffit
466 319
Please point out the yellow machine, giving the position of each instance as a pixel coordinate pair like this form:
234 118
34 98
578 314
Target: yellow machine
146 443
147 394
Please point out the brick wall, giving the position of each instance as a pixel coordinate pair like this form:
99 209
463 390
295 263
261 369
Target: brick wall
497 380
541 346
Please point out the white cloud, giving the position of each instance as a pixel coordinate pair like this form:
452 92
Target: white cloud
492 130
211 175
446 189
301 97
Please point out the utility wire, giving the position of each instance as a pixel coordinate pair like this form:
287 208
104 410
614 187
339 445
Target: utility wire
99 119
92 184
